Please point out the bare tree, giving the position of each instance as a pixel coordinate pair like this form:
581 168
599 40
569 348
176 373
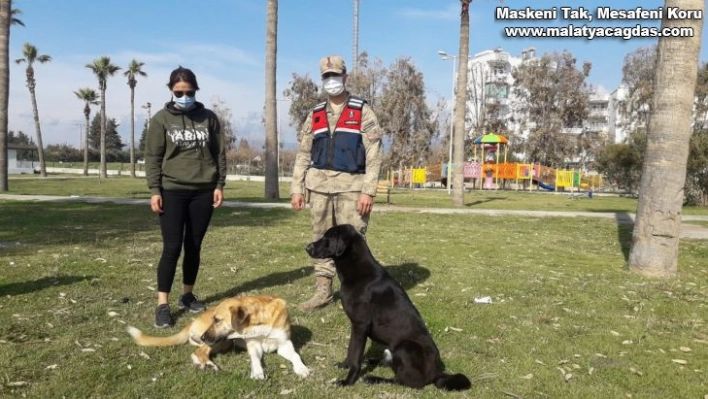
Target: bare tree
304 94
367 79
405 116
552 96
458 179
272 189
655 238
638 77
701 119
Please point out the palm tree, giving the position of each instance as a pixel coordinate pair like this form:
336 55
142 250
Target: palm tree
89 97
5 22
14 20
134 70
31 55
458 178
655 238
103 69
272 191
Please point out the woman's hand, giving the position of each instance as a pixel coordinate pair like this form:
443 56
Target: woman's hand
218 197
156 203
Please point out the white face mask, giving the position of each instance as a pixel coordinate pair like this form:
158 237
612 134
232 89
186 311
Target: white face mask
333 85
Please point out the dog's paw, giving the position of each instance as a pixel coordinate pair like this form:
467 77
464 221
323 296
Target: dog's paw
387 361
340 383
343 365
302 370
257 375
212 365
203 365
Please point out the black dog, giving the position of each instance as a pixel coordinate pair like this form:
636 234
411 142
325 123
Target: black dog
380 309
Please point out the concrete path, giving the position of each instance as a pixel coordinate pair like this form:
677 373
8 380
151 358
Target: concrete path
688 230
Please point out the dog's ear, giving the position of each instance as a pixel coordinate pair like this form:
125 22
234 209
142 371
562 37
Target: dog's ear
239 315
340 245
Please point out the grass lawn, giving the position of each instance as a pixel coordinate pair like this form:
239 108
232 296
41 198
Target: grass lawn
253 192
567 319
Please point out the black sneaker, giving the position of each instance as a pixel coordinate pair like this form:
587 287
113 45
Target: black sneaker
190 302
163 318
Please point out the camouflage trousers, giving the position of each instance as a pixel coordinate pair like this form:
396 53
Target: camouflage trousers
329 210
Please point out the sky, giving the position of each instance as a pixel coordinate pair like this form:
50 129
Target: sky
223 42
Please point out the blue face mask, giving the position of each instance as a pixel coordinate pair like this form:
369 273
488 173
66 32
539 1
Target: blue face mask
185 101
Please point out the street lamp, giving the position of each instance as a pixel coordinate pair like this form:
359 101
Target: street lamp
445 56
81 135
280 131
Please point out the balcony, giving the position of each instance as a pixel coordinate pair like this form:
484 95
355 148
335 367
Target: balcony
572 130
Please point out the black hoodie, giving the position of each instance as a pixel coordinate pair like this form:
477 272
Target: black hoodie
184 150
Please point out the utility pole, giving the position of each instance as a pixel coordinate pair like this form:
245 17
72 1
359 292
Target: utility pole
355 49
147 106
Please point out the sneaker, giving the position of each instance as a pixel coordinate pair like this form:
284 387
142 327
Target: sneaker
163 318
190 302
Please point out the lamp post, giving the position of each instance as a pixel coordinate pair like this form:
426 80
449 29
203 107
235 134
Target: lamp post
280 131
445 56
81 135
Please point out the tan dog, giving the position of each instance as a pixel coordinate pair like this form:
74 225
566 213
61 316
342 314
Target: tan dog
261 322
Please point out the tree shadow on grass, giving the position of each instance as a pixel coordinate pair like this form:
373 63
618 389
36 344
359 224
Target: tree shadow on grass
59 223
408 274
625 227
251 216
24 287
485 200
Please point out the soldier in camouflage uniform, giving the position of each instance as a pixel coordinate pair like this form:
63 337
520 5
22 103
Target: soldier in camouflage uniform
337 167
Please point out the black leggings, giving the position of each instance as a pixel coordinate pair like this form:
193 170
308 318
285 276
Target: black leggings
184 220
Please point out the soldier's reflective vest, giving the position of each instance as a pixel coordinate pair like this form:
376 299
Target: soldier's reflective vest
343 149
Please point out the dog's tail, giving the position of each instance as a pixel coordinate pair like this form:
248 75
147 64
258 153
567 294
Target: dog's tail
452 382
147 340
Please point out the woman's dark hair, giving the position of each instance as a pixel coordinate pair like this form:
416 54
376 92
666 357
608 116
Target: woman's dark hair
183 75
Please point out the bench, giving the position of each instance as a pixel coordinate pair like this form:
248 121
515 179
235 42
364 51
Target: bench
383 188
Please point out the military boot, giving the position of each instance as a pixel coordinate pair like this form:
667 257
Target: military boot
322 297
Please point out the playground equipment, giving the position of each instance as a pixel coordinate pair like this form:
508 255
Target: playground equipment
489 173
489 145
522 176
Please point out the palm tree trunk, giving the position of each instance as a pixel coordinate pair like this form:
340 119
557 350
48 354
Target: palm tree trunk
38 131
132 132
458 181
86 142
658 223
104 170
272 190
5 22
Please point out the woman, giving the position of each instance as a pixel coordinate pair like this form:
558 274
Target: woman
185 165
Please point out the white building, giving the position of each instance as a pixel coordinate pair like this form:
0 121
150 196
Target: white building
618 130
15 167
489 83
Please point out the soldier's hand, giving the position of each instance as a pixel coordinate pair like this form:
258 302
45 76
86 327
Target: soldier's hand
297 201
365 204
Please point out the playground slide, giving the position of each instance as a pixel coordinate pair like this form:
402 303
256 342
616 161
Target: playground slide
544 185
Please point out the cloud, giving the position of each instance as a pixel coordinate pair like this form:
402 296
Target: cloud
224 72
450 13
